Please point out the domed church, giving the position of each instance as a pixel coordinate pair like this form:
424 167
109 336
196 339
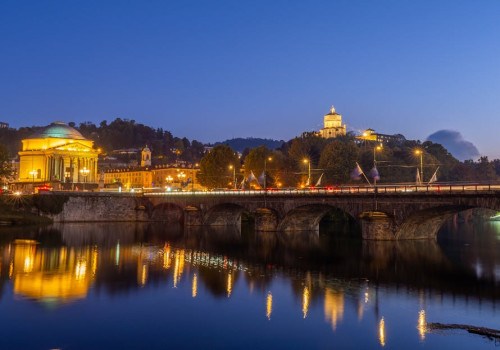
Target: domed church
333 125
58 156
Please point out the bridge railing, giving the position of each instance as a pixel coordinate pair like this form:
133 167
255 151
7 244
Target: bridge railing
379 189
332 190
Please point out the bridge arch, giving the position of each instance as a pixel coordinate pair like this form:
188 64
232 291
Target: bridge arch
225 214
308 217
426 223
168 212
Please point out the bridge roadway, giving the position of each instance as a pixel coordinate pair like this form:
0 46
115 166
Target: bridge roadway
383 213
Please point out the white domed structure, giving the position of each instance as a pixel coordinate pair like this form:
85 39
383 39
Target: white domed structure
333 126
58 156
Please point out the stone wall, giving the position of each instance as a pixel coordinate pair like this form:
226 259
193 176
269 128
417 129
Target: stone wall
100 207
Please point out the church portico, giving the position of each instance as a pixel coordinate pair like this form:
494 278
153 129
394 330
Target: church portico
58 154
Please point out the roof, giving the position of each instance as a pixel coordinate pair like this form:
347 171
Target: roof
59 130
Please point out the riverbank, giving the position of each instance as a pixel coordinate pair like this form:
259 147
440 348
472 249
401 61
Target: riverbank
17 211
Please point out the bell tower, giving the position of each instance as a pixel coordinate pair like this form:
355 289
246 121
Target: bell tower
146 157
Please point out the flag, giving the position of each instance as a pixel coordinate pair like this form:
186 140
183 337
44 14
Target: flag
434 176
418 180
318 183
308 182
357 172
374 174
262 179
242 184
251 177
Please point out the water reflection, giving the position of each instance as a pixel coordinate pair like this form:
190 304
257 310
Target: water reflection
330 275
50 274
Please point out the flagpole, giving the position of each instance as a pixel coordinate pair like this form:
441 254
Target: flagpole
363 173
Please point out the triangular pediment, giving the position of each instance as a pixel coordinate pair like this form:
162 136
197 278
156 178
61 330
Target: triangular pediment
73 146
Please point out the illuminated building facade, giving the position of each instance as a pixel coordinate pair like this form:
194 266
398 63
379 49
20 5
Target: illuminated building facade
371 136
57 155
159 176
333 126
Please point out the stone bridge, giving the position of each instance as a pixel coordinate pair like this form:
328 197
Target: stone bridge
382 216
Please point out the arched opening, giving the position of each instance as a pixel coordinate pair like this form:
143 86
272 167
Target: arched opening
228 214
339 223
167 212
321 219
426 223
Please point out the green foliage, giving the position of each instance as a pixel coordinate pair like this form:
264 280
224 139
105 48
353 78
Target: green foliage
255 160
5 169
309 146
214 167
338 159
50 204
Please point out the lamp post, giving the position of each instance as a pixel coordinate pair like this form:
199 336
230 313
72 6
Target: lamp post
308 162
233 168
192 176
265 171
169 180
84 173
181 177
420 153
33 173
375 149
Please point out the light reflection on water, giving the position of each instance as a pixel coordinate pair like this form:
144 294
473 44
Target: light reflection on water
386 291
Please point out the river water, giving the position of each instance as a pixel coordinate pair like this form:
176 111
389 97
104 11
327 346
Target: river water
152 286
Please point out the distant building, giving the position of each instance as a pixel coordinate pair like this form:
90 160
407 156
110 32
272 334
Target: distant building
4 125
372 136
333 126
178 176
159 176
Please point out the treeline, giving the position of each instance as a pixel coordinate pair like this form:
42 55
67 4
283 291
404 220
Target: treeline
120 134
334 161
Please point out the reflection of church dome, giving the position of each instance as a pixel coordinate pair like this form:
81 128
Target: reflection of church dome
59 130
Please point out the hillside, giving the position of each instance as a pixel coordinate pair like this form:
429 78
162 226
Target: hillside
239 144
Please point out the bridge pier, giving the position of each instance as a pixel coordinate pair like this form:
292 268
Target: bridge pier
265 220
192 216
376 225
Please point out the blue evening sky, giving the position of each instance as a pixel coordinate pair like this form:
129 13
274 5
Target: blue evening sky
211 70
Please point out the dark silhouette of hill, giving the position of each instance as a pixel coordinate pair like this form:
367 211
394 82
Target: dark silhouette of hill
239 144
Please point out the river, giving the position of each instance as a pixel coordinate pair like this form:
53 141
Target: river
151 286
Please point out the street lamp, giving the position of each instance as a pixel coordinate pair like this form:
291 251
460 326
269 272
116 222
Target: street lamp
306 161
192 175
33 173
375 149
181 177
265 171
84 173
233 168
169 180
420 153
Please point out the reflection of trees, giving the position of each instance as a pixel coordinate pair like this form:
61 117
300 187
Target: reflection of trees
132 255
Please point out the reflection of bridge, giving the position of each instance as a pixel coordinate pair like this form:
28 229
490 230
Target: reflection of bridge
396 212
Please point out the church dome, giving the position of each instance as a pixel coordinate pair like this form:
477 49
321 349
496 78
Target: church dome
59 130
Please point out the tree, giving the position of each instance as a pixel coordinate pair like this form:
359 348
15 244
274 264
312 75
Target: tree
5 168
485 170
309 146
214 167
338 159
255 160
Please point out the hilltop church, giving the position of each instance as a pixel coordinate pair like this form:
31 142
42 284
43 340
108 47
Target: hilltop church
333 126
